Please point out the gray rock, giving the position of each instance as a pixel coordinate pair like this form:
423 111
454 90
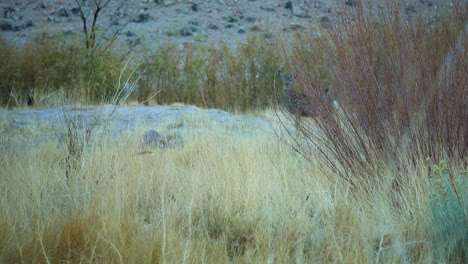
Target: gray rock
75 11
241 31
325 22
213 26
186 32
168 2
350 3
256 28
153 138
250 19
62 12
231 20
6 26
300 12
29 23
294 27
268 8
141 18
8 12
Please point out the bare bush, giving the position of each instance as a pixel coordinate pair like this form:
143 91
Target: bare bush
397 88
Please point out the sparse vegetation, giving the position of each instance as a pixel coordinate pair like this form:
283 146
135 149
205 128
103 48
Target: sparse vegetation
380 179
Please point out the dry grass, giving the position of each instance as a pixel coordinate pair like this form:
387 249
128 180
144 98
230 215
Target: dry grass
216 199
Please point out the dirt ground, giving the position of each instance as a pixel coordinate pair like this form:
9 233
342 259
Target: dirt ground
147 23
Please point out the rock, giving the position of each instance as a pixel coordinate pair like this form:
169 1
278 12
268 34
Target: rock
29 23
325 22
129 34
301 12
229 25
153 138
250 19
231 19
294 27
61 12
213 26
186 32
268 8
43 4
351 3
268 35
6 26
241 31
288 5
168 2
114 21
8 12
318 5
256 28
75 11
141 18
194 7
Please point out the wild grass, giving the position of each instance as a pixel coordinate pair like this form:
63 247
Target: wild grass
218 198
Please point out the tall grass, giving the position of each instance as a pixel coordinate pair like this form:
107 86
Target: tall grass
216 199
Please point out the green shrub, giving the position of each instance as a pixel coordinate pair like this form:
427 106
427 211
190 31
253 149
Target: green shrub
211 76
448 204
47 64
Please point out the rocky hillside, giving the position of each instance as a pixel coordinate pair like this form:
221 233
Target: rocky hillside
147 23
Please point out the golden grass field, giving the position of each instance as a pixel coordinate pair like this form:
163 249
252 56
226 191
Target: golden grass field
218 198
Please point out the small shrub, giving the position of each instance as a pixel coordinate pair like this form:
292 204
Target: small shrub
448 203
